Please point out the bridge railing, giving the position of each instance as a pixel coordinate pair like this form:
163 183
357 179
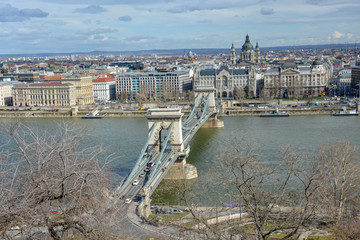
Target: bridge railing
158 160
139 165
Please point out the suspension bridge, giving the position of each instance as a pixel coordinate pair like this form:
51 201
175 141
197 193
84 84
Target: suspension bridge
167 147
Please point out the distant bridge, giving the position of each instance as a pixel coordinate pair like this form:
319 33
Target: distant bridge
167 147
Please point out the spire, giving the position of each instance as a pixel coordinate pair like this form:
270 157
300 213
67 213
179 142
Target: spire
257 45
232 46
247 38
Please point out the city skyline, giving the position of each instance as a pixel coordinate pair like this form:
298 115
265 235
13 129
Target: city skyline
40 26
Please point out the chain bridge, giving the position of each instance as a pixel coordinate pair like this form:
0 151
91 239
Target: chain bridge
167 147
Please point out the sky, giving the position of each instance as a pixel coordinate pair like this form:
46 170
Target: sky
54 26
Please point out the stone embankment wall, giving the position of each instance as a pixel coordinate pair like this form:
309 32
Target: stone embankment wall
230 111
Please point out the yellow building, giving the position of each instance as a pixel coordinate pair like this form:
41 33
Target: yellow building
84 88
44 94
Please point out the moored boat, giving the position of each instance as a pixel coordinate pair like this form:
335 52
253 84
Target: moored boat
275 113
93 115
345 112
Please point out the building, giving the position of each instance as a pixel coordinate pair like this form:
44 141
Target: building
343 84
153 84
84 90
5 94
250 55
293 80
132 65
28 77
44 94
355 79
104 89
227 80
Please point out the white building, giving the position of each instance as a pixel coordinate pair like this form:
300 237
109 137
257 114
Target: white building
153 84
293 80
104 89
226 80
5 93
343 83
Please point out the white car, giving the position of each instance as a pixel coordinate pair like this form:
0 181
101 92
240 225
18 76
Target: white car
128 200
136 182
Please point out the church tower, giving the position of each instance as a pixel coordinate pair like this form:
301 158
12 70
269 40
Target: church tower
257 53
232 56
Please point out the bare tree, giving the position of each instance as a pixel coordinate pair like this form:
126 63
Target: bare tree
271 201
338 172
239 93
51 181
140 99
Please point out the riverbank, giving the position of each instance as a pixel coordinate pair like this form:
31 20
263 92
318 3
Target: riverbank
120 112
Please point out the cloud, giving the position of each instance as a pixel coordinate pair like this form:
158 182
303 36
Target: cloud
97 31
205 21
331 2
12 14
349 35
337 34
125 18
91 9
267 11
193 5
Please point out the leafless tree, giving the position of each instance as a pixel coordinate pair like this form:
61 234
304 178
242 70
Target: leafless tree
347 230
267 194
239 93
338 172
50 180
140 99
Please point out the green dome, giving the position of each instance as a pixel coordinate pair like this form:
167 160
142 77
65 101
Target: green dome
317 62
247 45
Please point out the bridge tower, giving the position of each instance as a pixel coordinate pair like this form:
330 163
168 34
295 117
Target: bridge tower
204 91
163 118
209 91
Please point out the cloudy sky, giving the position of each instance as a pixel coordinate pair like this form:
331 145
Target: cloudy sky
36 26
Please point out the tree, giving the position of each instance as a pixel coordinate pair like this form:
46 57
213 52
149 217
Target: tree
239 93
271 201
338 176
140 98
51 181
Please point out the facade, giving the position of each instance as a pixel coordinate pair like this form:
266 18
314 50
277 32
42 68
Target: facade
29 77
152 84
355 80
248 53
343 83
44 94
5 94
227 80
83 88
293 80
104 89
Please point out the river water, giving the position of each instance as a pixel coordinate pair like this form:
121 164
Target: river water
124 137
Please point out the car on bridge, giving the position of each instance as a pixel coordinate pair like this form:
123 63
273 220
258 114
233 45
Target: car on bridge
142 175
147 169
136 182
150 164
128 200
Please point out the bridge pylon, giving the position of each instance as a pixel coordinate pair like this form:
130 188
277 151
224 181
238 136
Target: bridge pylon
163 117
205 91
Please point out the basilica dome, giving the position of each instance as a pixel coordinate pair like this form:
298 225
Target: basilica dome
247 45
317 62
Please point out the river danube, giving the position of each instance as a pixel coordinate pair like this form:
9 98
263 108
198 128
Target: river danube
124 137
